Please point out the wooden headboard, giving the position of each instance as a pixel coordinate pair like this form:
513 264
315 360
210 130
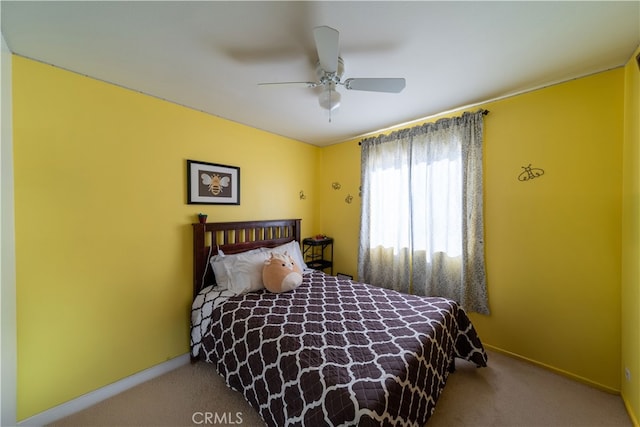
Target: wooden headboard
234 237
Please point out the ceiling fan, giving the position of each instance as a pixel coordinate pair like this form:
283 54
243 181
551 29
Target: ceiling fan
330 69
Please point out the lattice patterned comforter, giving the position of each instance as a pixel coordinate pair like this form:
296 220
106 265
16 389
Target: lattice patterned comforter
334 352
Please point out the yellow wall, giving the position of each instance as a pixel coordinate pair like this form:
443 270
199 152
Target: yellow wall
553 243
341 220
631 241
103 235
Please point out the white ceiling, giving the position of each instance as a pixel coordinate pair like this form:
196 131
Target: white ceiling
211 55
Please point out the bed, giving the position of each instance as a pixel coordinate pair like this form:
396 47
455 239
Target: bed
330 352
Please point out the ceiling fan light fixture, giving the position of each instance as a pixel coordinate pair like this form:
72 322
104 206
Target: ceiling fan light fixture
329 98
330 69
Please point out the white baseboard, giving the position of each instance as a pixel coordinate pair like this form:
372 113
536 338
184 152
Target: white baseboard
83 402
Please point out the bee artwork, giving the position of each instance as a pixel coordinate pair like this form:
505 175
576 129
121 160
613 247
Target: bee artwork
212 183
530 173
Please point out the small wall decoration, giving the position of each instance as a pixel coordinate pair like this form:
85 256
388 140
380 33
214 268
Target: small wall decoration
212 183
349 198
336 185
302 195
530 173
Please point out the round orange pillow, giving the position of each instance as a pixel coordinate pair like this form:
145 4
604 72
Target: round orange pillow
280 273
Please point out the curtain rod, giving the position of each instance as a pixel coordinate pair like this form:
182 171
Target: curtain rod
484 113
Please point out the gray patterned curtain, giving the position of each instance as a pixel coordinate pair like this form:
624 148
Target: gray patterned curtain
421 228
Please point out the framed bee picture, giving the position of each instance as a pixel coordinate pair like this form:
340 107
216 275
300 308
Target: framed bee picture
212 184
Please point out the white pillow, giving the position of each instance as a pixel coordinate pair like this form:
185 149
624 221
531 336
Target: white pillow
244 272
218 263
293 249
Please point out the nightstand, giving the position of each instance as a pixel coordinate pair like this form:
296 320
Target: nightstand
318 253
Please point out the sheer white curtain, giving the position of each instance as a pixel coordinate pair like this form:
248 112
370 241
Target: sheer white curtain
421 220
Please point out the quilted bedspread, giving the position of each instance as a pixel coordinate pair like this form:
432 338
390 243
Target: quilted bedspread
335 352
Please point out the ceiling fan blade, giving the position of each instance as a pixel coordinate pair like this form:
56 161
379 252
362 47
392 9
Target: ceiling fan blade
298 84
327 47
391 85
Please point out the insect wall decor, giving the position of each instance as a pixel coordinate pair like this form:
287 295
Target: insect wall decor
530 173
215 182
212 183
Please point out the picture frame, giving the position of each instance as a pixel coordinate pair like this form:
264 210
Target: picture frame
212 184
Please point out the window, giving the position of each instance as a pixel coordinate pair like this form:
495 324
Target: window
421 222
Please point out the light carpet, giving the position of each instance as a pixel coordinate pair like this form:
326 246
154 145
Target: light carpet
509 392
